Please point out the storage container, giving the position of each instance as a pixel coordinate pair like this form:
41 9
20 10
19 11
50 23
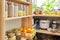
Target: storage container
44 24
15 9
10 9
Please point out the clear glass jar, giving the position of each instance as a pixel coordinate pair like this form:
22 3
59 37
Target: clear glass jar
10 9
6 10
15 9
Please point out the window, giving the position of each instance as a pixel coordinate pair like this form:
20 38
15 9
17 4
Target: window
38 3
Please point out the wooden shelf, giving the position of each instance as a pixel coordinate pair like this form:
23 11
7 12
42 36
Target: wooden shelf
46 16
20 2
47 32
13 18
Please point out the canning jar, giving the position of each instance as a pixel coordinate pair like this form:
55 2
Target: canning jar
15 9
10 9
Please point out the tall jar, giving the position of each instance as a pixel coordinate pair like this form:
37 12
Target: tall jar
15 9
6 10
10 9
20 10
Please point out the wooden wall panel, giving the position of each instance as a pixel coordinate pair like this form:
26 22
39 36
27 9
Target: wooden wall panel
30 22
2 28
27 22
24 22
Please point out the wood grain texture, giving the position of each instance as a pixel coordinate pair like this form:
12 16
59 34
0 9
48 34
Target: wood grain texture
48 32
20 2
2 28
24 22
30 22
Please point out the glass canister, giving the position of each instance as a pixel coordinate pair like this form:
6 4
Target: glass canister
15 9
54 26
10 9
20 10
58 12
6 10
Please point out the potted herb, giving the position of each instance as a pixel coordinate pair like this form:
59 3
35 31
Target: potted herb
48 5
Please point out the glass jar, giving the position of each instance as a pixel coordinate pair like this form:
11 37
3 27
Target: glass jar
6 10
10 9
15 9
54 26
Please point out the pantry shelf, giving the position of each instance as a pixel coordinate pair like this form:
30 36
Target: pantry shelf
47 32
47 16
20 2
13 18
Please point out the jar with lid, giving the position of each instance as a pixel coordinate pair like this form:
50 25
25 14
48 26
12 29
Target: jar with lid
10 9
54 26
15 9
6 9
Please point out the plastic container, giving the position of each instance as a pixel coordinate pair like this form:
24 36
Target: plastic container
44 24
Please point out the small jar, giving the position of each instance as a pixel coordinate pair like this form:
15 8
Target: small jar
6 10
54 26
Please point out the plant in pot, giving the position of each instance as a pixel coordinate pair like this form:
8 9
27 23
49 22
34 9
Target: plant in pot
36 10
48 5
